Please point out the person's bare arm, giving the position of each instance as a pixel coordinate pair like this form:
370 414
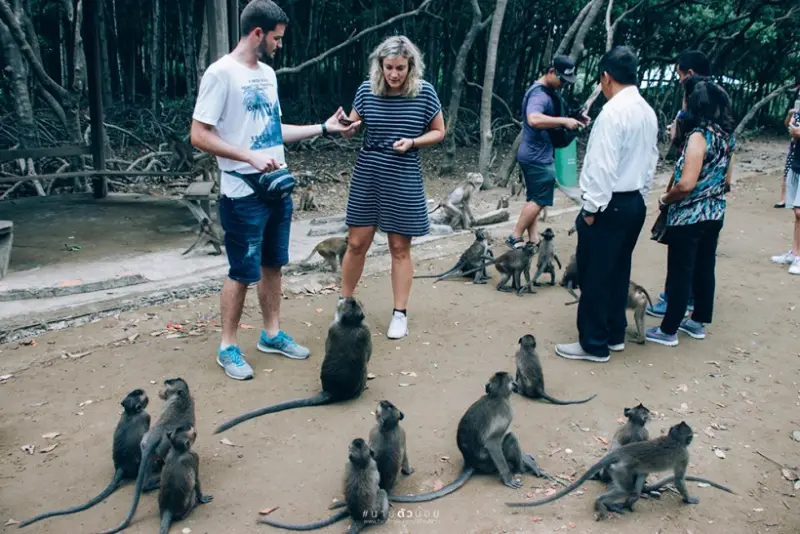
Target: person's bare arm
692 165
434 135
729 174
794 131
544 122
293 132
354 117
204 138
788 120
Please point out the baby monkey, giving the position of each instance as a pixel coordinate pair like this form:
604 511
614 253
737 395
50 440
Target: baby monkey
631 432
332 251
547 255
180 478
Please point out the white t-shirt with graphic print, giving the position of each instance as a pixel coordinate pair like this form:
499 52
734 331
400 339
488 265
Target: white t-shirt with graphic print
241 103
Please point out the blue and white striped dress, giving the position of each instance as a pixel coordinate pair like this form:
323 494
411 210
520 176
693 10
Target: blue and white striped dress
386 189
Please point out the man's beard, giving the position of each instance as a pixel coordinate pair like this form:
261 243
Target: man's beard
263 50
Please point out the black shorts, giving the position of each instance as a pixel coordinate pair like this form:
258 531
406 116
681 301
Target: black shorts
540 182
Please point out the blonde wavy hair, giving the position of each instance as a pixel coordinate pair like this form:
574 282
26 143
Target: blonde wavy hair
396 46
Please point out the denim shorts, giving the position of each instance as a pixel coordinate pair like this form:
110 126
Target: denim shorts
256 235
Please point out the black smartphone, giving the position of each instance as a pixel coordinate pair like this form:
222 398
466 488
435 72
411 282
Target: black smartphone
346 121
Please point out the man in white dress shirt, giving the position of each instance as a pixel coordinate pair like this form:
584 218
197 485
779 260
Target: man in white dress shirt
616 177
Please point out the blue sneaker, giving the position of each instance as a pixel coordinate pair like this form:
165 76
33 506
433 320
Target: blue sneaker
231 360
282 344
693 328
660 307
657 336
512 241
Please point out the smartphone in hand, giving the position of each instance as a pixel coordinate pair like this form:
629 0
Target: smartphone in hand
346 121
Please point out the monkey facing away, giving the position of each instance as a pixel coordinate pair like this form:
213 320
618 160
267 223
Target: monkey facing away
486 441
366 502
348 349
635 461
332 251
632 431
177 412
513 265
547 255
456 204
180 478
126 451
569 279
387 440
502 202
471 260
530 377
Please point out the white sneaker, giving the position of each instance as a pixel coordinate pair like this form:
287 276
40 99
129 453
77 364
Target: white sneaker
398 327
795 268
784 259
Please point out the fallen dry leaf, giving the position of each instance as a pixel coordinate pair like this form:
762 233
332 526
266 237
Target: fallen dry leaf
51 435
245 326
267 511
797 484
438 485
5 377
268 370
11 522
572 525
78 355
720 453
370 376
795 434
226 441
568 451
318 310
132 338
29 342
709 432
444 458
621 421
186 530
788 475
408 373
601 439
683 387
403 385
49 449
537 519
549 492
28 448
307 324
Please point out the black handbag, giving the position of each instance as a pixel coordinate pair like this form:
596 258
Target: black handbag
659 229
560 137
269 186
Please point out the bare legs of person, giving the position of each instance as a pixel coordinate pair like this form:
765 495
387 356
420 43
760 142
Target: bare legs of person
359 240
528 221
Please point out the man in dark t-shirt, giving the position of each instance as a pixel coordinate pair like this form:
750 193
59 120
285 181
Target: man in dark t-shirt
536 153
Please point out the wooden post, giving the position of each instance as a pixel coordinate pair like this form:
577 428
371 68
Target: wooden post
217 13
233 23
91 39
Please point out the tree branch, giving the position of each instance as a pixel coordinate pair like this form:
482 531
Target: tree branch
611 29
760 104
304 65
573 29
499 99
583 31
8 18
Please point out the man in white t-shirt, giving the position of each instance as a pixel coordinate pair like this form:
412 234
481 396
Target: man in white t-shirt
237 118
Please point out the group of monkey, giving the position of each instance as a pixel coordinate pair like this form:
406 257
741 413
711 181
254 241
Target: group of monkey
512 265
162 454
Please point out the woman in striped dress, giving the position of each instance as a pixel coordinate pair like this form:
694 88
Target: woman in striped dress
402 114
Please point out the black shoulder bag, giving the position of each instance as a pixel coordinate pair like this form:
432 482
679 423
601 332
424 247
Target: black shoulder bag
269 186
560 136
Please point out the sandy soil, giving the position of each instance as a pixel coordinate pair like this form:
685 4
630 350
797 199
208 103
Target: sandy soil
742 381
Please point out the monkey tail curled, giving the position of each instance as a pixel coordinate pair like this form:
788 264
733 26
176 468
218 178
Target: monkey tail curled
310 526
553 400
465 475
111 488
166 521
317 400
143 468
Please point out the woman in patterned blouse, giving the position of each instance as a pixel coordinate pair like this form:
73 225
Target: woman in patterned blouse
696 210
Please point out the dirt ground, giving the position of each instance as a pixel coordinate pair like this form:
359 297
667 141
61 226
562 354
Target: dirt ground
738 389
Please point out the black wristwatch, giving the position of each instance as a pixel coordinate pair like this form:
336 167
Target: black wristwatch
324 130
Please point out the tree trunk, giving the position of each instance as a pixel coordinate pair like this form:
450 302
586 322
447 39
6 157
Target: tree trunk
583 31
488 86
156 60
79 82
104 64
573 29
22 99
457 86
116 59
761 103
202 57
186 22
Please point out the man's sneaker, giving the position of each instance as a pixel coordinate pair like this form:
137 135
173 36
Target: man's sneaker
282 344
657 336
619 347
231 360
658 309
784 259
398 327
513 242
693 328
574 351
795 268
